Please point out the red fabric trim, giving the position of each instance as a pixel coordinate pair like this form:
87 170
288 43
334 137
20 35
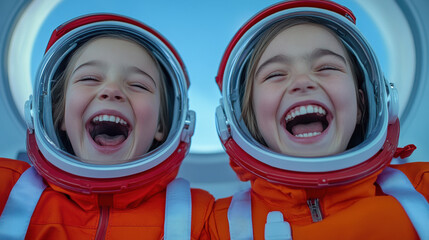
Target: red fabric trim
243 164
87 185
405 151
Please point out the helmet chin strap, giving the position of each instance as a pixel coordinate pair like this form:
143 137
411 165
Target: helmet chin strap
379 161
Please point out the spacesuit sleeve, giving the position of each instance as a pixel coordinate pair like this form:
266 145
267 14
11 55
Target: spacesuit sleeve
218 227
202 205
10 171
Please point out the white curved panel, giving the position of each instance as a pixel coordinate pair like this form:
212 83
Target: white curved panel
397 37
20 49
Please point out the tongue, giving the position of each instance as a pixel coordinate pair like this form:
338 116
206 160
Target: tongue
107 140
307 128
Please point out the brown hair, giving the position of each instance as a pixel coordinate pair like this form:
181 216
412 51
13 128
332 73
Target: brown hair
247 111
58 91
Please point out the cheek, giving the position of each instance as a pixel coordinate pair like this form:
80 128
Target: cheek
265 106
147 112
75 105
345 102
349 97
265 102
341 90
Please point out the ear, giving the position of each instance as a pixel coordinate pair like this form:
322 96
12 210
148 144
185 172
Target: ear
361 102
159 133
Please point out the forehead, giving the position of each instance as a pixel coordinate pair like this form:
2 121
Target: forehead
116 53
303 38
110 46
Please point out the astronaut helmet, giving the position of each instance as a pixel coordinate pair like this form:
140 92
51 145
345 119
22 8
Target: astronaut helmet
375 137
48 144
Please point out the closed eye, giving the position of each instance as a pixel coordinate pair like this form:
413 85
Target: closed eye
328 67
274 75
88 79
139 87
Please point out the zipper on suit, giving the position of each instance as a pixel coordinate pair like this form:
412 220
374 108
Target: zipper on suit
102 223
316 212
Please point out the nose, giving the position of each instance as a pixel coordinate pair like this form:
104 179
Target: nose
112 92
302 84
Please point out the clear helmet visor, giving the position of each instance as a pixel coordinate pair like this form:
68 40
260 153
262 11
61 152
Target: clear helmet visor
54 144
380 101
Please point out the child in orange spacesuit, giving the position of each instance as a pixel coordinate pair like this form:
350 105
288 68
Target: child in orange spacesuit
307 117
108 127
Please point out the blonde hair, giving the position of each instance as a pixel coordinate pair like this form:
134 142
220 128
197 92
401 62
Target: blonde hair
58 91
247 111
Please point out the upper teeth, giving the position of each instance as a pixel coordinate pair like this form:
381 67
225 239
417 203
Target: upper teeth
301 110
109 118
311 134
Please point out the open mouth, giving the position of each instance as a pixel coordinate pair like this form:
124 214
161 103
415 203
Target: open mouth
306 121
108 130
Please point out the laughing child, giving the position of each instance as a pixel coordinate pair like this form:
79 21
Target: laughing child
309 120
108 127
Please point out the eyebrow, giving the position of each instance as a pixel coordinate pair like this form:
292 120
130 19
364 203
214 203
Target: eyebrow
138 70
86 64
320 52
276 59
317 53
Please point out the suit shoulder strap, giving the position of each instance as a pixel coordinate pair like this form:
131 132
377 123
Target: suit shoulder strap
178 210
240 216
20 205
395 183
